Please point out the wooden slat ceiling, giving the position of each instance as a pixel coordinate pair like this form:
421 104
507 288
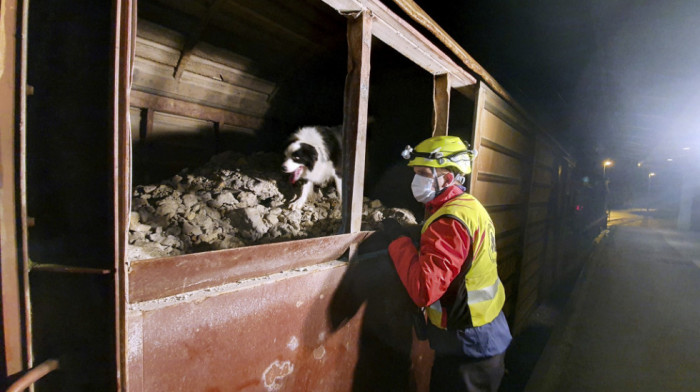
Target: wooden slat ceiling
274 35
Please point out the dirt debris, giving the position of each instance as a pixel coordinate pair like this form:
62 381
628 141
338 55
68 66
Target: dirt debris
235 200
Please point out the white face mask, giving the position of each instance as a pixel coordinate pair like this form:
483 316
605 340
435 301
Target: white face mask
423 188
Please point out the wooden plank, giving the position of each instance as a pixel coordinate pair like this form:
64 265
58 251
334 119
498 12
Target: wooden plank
405 39
505 221
164 36
194 36
225 67
503 133
174 106
479 102
156 78
226 74
161 39
124 24
355 120
422 18
492 162
499 194
13 108
156 52
509 115
345 6
441 104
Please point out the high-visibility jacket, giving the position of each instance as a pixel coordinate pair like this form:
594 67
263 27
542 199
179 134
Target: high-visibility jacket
455 272
479 292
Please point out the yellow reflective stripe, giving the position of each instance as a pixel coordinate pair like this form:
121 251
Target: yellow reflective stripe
435 314
485 294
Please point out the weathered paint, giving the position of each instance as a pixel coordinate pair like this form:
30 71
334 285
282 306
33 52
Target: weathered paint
157 278
327 327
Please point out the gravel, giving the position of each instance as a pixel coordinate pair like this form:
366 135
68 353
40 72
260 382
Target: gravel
235 200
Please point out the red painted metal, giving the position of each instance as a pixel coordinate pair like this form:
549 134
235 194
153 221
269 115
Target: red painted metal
334 327
158 278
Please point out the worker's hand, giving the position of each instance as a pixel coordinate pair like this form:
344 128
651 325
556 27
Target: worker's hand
393 229
413 231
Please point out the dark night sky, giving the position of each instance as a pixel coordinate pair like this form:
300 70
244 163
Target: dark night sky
609 78
618 76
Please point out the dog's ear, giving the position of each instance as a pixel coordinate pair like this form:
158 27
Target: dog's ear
308 155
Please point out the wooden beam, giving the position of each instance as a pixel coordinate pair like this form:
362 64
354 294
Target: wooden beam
479 107
124 33
193 38
405 39
419 16
140 99
355 120
441 104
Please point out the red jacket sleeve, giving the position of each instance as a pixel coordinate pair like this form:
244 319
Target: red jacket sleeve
427 274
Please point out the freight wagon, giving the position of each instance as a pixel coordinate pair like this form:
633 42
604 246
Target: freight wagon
108 96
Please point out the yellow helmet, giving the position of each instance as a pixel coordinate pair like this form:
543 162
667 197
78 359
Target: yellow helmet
441 151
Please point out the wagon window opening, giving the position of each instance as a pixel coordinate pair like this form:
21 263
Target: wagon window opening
218 90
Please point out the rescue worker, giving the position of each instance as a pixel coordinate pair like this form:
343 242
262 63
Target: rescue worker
453 276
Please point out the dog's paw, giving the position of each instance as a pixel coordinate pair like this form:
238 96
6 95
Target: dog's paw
296 204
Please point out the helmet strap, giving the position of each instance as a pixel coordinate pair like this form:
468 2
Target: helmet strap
435 180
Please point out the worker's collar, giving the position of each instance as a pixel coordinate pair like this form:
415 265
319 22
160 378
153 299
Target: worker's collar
443 196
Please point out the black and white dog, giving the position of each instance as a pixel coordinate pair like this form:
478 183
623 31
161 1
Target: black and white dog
314 154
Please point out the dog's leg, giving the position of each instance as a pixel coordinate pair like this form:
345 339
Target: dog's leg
338 186
305 190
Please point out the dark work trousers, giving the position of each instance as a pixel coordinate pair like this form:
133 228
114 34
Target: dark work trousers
458 373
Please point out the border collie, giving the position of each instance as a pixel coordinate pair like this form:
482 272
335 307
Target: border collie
314 154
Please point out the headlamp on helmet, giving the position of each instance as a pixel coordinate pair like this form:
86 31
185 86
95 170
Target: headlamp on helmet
441 152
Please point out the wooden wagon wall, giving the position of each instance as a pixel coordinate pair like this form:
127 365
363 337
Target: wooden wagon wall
520 176
321 324
225 75
203 83
288 338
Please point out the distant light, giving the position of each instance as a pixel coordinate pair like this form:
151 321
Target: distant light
652 174
607 163
669 160
639 164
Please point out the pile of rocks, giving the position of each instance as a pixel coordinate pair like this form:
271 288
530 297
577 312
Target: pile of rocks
235 200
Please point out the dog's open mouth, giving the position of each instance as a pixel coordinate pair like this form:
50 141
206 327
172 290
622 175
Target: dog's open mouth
294 176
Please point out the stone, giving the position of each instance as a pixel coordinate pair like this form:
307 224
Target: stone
189 200
235 200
